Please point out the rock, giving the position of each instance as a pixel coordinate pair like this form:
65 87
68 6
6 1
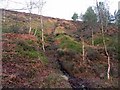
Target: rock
65 77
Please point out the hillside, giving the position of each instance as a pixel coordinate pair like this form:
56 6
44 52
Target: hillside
25 65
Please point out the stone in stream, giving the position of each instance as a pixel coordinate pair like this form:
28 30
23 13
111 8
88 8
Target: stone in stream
65 77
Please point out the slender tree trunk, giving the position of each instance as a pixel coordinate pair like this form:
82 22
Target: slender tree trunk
92 37
30 7
83 50
30 23
43 43
35 32
108 57
83 47
4 15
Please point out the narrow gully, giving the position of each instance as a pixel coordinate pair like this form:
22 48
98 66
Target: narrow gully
76 83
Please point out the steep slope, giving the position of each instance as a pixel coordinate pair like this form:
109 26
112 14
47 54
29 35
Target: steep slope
26 65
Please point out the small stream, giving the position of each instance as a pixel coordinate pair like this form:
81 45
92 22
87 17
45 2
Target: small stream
76 83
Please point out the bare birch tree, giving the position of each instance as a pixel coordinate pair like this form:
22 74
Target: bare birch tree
40 5
83 47
101 13
30 7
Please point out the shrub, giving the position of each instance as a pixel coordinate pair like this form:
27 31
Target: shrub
98 41
93 54
54 80
26 50
30 42
118 50
6 29
39 34
60 53
25 45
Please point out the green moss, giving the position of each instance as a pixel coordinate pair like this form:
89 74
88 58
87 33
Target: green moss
69 43
43 57
31 54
